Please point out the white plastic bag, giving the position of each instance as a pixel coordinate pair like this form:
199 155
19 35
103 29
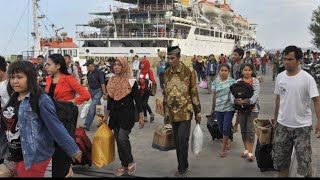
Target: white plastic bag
294 164
197 140
84 111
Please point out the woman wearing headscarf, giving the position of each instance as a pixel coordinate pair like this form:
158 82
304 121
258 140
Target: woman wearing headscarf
123 96
146 80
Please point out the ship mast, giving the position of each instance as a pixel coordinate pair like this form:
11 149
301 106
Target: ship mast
36 47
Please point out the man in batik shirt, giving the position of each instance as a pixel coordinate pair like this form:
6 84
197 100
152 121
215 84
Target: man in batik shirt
181 99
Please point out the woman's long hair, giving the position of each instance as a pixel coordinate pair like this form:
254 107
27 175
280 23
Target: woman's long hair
34 89
58 59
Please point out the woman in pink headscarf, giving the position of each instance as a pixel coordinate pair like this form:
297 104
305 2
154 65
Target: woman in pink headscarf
122 93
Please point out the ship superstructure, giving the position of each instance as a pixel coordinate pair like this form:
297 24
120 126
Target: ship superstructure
146 27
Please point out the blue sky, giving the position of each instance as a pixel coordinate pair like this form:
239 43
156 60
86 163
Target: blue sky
281 22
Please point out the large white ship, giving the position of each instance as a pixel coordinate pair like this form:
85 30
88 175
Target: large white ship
147 27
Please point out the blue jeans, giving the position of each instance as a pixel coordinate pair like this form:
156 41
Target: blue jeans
225 121
96 95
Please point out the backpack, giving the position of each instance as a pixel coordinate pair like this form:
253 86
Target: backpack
161 68
67 113
242 90
85 146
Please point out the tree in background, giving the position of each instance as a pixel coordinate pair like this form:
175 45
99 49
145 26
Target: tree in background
315 27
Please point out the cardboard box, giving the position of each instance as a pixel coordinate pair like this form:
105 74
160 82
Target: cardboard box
163 138
264 130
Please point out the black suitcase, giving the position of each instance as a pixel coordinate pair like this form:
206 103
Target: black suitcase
214 130
263 157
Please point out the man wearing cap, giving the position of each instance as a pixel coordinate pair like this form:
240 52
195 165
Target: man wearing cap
96 86
181 98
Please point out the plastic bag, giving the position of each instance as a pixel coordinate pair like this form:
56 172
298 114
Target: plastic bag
294 164
84 111
103 146
203 84
197 140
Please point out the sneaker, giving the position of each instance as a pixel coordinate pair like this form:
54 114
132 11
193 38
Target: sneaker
244 154
85 128
250 157
151 117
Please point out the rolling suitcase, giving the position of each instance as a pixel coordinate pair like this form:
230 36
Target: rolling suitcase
213 127
263 157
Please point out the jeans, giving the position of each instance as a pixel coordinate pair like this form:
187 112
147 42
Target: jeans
225 121
124 146
247 126
181 133
96 95
145 105
199 75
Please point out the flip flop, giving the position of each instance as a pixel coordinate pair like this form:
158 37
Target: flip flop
223 154
132 168
228 147
120 171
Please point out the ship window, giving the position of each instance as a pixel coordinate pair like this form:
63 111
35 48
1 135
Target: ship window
65 52
70 53
59 51
51 52
74 54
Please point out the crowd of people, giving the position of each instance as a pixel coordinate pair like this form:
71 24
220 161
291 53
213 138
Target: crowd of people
31 133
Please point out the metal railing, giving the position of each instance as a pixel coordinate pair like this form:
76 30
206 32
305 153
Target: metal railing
146 34
133 20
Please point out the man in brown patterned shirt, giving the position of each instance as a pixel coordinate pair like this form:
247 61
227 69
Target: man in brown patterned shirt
181 98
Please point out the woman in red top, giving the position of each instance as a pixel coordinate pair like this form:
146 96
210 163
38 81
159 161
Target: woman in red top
63 86
146 79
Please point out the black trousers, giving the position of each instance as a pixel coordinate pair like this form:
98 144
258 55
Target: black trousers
145 105
124 146
181 133
60 162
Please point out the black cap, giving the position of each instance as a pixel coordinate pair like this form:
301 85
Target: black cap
173 50
90 61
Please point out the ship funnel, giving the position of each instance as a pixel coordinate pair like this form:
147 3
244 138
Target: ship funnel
225 2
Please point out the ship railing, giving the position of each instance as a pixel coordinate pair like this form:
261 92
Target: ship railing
132 20
146 34
152 7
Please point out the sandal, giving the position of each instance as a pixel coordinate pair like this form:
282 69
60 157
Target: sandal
244 154
223 154
228 147
120 171
132 168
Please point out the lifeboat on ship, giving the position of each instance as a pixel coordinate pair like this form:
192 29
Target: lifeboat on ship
227 12
237 20
210 8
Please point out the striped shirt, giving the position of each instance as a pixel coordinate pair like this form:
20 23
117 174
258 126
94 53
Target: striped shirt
222 89
256 91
